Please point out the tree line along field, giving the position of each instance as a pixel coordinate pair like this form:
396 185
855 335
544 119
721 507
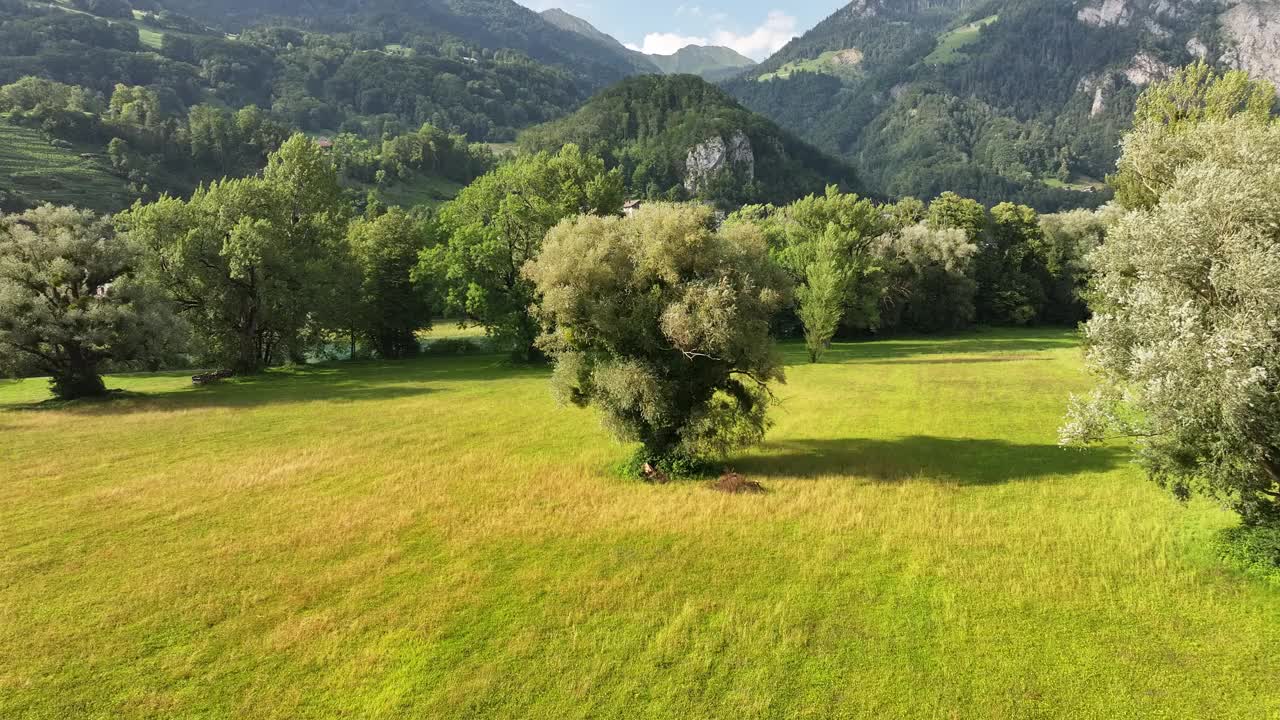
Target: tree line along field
437 538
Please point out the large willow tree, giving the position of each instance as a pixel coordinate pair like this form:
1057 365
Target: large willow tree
1185 337
662 323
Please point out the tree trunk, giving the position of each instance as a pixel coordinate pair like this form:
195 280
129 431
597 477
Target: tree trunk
247 361
78 379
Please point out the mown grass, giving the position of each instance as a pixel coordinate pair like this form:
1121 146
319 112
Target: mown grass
437 538
951 42
42 172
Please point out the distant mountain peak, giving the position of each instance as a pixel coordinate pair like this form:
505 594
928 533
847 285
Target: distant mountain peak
712 62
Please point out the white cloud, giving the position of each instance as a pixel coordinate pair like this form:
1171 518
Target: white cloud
777 29
667 43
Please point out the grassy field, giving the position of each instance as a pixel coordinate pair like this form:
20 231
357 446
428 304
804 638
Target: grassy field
845 63
30 165
950 42
1075 183
438 539
429 190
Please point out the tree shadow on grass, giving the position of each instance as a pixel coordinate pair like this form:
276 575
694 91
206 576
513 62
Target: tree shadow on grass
955 460
345 382
997 346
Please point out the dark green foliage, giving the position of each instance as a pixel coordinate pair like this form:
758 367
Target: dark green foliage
391 306
316 82
257 265
493 24
1252 549
675 465
154 151
497 224
69 304
647 126
1012 271
456 346
929 280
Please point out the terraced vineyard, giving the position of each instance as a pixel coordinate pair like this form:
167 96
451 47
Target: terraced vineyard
30 167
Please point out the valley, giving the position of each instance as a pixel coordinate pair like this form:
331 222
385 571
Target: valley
472 359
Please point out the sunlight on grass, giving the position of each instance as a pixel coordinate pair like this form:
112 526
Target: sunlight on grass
951 42
436 538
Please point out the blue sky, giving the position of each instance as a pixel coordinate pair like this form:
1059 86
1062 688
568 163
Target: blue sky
755 28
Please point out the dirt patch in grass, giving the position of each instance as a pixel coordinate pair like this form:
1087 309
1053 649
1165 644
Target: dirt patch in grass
736 484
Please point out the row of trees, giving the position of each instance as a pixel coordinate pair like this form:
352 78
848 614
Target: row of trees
942 266
246 273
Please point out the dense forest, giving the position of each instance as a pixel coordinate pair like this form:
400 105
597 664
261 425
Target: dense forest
652 128
348 81
494 24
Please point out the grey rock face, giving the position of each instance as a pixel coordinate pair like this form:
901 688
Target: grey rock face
708 159
1253 29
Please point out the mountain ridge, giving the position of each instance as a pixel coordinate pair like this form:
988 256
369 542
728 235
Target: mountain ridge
998 99
712 62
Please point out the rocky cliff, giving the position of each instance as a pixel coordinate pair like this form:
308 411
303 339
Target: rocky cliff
716 156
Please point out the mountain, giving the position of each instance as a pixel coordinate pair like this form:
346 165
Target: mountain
325 83
679 136
997 99
711 62
572 23
494 25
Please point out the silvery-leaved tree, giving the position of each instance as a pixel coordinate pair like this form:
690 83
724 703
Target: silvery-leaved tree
662 323
1185 337
69 304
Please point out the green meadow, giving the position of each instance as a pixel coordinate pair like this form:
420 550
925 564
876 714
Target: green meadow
953 41
437 538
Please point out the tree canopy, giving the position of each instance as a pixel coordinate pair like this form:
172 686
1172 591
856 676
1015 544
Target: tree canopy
69 304
497 224
662 323
1183 337
250 262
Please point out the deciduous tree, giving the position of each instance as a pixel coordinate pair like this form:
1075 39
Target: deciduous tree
662 323
1185 336
251 262
393 307
69 303
497 224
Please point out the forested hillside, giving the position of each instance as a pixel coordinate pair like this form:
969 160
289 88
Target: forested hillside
680 136
317 82
492 24
127 103
1003 99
